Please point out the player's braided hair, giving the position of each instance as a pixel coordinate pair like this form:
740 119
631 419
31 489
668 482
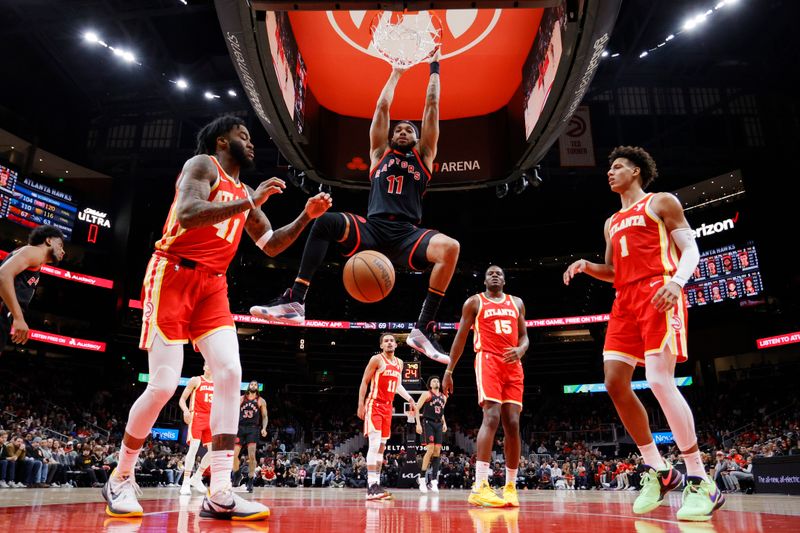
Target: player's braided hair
207 137
640 158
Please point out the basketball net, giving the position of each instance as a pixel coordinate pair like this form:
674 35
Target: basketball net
405 39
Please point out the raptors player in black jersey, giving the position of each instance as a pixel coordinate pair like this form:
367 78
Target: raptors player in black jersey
432 428
252 423
401 159
19 276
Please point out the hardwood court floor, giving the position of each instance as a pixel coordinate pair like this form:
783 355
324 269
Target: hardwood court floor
345 511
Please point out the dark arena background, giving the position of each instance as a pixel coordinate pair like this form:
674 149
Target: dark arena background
100 105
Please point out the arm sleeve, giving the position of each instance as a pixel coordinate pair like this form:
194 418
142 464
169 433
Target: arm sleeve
690 255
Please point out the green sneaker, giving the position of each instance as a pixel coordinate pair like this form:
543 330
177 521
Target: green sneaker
654 486
701 497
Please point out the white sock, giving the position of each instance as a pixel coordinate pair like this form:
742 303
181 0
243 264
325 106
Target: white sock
652 457
373 478
694 465
127 460
198 474
511 476
221 467
481 472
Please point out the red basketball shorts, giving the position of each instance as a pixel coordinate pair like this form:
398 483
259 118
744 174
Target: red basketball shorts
636 329
200 428
378 417
182 303
497 380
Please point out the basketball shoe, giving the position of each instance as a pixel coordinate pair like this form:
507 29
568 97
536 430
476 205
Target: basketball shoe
424 341
376 492
225 505
423 484
510 494
434 485
197 483
281 309
701 497
654 486
121 495
186 486
483 496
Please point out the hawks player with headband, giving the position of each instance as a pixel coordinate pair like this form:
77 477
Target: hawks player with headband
382 376
200 393
185 297
501 340
650 255
401 159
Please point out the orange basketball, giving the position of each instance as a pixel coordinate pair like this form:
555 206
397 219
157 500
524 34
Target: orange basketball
368 276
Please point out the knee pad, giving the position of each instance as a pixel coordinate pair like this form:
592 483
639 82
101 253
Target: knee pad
373 453
330 226
163 383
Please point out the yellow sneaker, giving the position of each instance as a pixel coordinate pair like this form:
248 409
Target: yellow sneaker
483 496
510 495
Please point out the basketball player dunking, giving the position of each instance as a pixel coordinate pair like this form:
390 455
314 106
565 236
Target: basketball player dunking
200 393
252 424
430 407
501 340
19 276
400 164
382 376
650 255
185 296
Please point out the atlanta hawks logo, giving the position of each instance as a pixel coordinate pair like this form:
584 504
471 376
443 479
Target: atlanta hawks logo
676 323
462 29
148 309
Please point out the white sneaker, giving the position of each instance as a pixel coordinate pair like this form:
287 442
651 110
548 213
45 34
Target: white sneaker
424 342
121 496
197 484
423 485
435 485
3 484
226 505
186 488
20 485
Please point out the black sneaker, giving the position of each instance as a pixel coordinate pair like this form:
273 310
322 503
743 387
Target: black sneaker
281 309
250 484
424 341
375 492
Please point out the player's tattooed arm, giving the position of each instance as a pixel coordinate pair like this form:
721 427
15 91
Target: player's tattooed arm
429 136
193 208
379 129
259 226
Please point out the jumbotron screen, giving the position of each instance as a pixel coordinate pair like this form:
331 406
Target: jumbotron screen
31 204
724 274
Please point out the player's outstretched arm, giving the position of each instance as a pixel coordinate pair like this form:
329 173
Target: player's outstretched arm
429 136
379 129
193 208
259 228
27 257
602 271
362 390
190 387
468 313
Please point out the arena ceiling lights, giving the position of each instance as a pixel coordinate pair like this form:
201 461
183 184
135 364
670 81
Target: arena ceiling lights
513 74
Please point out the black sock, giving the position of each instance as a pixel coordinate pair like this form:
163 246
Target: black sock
326 229
435 467
429 308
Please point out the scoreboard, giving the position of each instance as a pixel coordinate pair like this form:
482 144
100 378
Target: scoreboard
31 204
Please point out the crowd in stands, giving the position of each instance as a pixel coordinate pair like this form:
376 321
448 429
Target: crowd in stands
52 439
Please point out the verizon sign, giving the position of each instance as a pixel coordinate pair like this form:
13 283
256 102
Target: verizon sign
778 340
716 227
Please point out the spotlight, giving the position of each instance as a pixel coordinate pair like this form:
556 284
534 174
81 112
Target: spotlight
182 84
643 54
91 37
501 190
231 93
210 96
604 54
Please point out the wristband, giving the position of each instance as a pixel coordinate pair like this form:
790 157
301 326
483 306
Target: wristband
264 238
434 67
679 281
448 371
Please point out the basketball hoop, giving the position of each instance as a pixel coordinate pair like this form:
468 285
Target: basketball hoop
404 39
